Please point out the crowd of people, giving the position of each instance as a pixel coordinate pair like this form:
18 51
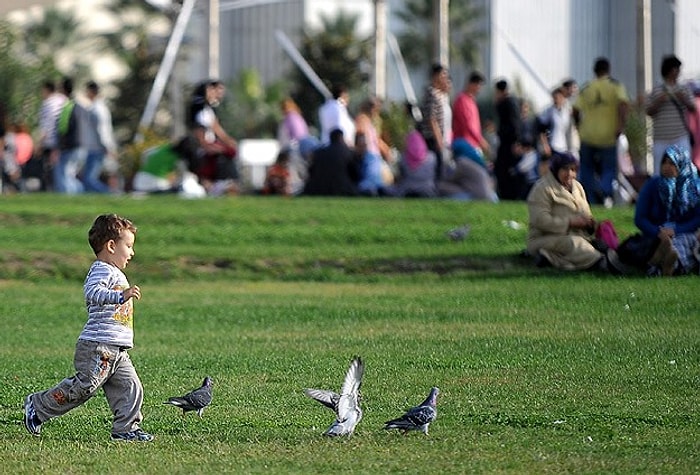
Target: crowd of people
560 160
562 230
74 147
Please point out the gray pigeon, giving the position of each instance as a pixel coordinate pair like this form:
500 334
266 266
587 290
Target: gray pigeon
195 400
346 405
419 417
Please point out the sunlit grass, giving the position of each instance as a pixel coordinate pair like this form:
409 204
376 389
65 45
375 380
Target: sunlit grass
540 371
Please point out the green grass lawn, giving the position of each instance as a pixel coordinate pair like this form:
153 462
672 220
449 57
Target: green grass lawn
540 371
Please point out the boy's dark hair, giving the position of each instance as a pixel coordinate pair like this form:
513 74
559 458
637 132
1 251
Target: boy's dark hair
502 85
601 66
107 227
668 64
49 85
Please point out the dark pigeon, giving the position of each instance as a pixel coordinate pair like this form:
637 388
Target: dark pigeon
419 417
196 400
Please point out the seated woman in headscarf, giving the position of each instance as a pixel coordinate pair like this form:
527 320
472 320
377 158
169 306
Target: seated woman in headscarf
667 211
470 178
417 168
561 228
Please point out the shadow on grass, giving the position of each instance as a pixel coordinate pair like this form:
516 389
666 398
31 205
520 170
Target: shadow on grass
505 266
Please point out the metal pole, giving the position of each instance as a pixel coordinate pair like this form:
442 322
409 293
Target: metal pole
441 31
644 79
213 38
404 76
380 29
403 71
165 68
299 60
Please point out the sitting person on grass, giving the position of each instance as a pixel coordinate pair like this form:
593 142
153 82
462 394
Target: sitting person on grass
561 228
417 177
278 180
668 213
332 171
470 178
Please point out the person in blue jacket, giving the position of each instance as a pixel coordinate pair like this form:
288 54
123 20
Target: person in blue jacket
668 209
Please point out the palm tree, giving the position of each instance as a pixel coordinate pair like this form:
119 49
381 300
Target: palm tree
135 47
250 108
21 76
58 33
337 56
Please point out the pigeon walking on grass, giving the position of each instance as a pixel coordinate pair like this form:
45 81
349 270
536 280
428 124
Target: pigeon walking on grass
346 405
419 417
196 400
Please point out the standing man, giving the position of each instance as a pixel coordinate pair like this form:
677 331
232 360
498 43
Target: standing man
555 126
333 114
600 112
51 105
433 125
667 105
466 123
511 184
98 138
70 154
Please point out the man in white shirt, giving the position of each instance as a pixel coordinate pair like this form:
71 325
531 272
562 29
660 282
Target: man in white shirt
556 125
333 114
98 139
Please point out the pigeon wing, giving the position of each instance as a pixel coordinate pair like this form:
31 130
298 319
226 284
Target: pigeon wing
199 398
413 418
327 398
353 377
421 415
346 405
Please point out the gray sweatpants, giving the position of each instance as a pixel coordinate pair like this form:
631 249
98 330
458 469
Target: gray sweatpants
97 366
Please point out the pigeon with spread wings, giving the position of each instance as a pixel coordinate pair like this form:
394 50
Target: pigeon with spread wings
346 405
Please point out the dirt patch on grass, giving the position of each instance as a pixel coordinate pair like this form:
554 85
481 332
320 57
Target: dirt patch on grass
48 265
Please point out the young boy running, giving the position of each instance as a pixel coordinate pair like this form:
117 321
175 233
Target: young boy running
101 359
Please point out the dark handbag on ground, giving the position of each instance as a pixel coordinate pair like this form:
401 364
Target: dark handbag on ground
637 249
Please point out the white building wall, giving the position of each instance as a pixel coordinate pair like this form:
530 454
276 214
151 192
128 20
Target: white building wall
687 36
314 10
248 38
537 43
531 45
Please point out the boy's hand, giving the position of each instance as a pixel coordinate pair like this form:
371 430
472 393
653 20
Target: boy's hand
134 292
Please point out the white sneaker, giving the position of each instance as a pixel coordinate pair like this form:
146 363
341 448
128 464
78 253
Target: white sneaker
608 202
